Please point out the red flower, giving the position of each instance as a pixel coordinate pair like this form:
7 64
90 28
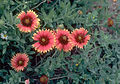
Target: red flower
43 79
110 22
80 38
29 21
19 61
63 40
45 40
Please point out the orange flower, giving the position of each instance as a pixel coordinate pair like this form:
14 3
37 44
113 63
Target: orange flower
79 37
29 21
114 1
19 61
43 79
110 22
45 40
63 40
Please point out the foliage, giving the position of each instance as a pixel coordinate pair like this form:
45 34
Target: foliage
97 63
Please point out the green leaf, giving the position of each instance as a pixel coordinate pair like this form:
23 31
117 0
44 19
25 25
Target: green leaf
67 54
61 82
92 81
12 72
4 49
22 40
29 69
94 13
62 4
73 75
100 81
32 52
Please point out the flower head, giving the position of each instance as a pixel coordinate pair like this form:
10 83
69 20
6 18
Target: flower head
45 41
29 21
110 22
27 81
114 1
76 65
79 37
43 79
4 35
80 12
63 40
19 61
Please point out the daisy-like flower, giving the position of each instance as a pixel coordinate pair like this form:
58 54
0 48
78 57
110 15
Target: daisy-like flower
63 40
19 61
29 21
45 41
79 37
4 35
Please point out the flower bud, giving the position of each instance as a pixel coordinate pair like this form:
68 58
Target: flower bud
110 22
43 79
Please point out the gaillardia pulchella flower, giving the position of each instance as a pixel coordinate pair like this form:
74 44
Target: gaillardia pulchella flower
29 21
44 79
45 41
63 40
110 22
79 37
19 61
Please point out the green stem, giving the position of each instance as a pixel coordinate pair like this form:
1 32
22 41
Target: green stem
58 77
38 5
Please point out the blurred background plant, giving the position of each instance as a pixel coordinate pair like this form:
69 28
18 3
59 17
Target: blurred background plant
97 63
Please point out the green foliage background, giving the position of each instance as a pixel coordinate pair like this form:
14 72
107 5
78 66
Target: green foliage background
98 62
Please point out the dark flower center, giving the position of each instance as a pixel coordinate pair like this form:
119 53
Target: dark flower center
79 38
27 21
63 39
44 40
20 63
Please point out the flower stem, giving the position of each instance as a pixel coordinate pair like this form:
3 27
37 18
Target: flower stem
58 77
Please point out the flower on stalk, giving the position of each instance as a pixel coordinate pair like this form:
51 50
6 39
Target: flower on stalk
29 21
110 22
4 35
43 79
19 61
63 40
45 41
79 37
